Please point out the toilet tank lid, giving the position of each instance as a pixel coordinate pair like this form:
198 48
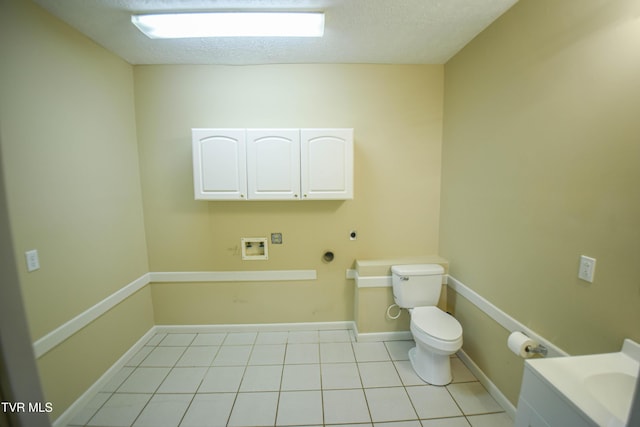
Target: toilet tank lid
417 269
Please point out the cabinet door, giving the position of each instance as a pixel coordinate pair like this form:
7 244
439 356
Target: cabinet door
327 163
219 164
273 164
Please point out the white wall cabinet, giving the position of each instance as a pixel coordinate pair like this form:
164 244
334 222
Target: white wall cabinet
219 164
273 164
326 163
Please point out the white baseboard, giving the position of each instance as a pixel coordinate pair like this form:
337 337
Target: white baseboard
86 397
260 327
384 336
493 390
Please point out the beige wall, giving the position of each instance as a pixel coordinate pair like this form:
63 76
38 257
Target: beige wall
70 160
396 111
541 164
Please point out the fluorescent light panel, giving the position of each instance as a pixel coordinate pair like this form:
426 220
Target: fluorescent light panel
230 24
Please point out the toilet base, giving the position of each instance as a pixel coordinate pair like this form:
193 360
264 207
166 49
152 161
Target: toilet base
433 368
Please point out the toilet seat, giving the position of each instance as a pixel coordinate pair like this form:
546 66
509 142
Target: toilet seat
435 326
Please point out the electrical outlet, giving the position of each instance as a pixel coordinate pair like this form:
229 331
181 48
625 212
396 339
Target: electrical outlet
33 263
587 268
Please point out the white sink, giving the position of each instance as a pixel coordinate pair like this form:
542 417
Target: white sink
600 385
613 390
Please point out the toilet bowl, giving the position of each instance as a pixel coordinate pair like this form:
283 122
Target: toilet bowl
437 334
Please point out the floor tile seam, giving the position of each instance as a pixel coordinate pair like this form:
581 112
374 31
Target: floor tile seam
244 371
156 388
142 410
364 393
413 405
184 414
395 369
275 420
123 381
217 349
275 417
360 377
347 424
153 393
387 350
456 402
162 366
484 413
324 418
235 399
444 418
480 413
174 345
99 408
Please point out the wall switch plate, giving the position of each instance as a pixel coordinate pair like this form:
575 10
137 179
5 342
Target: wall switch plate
33 262
587 268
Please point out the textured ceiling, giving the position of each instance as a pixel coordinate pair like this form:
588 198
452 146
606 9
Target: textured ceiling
356 31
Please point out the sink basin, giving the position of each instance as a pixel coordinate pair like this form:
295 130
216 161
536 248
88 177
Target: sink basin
612 390
601 385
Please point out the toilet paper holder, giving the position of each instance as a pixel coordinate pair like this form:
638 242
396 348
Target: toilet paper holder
537 349
524 346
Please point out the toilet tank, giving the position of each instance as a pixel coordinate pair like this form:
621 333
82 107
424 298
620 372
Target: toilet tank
417 285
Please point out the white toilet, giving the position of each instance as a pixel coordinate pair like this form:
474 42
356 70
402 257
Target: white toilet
437 334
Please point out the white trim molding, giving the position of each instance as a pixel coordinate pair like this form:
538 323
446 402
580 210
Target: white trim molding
492 389
502 318
233 276
379 281
373 281
259 327
64 331
67 329
86 397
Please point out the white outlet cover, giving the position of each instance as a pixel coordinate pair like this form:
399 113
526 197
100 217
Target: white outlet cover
587 268
33 262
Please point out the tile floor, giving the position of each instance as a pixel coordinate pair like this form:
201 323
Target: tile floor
295 378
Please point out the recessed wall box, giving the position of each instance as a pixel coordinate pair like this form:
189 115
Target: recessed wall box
254 248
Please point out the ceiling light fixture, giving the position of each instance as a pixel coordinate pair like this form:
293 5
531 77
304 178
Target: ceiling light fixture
230 24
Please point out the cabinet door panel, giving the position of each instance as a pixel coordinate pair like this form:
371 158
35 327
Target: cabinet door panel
327 163
273 164
219 164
